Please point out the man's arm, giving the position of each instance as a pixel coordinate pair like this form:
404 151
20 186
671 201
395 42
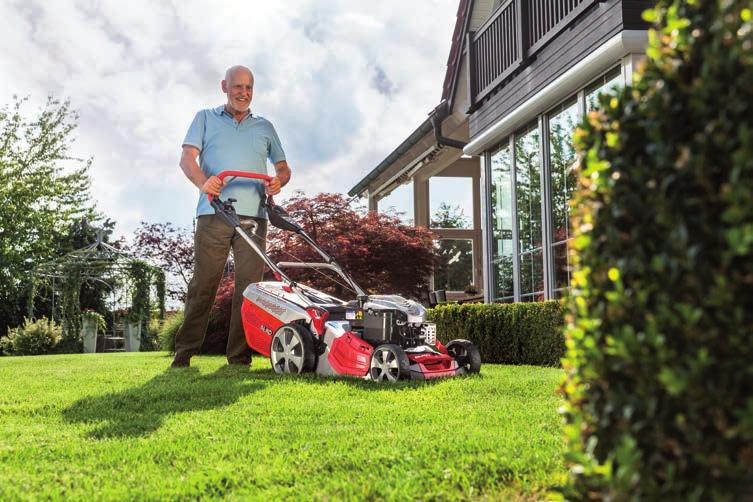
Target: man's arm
280 179
193 172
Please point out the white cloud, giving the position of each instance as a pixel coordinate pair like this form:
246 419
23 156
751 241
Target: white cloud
344 83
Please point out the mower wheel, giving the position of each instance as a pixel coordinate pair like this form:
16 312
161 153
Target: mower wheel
466 354
292 350
389 362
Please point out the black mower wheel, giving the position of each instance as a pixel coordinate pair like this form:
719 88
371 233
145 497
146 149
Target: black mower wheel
466 354
292 350
389 362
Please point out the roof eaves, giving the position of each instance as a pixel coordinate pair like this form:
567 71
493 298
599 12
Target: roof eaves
406 145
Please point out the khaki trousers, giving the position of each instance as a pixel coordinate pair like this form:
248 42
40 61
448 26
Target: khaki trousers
212 242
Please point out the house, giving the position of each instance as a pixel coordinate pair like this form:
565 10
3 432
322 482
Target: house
520 75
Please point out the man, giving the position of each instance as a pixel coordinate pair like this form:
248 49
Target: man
225 138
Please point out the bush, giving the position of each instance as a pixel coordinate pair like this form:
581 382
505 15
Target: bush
33 338
150 341
512 333
659 375
167 331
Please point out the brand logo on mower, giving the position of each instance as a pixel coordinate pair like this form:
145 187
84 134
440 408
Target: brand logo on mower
272 307
266 329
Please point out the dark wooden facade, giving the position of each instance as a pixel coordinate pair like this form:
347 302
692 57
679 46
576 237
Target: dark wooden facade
527 44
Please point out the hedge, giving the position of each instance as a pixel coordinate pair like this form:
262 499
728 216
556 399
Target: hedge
659 367
510 333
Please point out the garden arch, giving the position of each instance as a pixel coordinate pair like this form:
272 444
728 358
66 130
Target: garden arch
128 279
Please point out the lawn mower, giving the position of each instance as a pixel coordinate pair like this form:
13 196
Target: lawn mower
301 329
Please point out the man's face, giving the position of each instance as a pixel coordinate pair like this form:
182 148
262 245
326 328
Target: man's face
239 90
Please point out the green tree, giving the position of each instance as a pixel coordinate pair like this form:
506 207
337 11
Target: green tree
43 189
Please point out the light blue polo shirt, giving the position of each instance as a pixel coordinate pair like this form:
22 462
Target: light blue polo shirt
227 145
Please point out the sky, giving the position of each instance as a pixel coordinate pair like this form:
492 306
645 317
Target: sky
343 81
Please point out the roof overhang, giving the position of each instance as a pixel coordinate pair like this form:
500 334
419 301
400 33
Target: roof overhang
421 138
412 154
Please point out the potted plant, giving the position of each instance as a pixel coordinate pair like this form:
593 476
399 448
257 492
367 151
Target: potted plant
132 332
91 323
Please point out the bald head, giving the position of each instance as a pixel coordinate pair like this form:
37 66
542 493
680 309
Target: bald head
233 71
239 87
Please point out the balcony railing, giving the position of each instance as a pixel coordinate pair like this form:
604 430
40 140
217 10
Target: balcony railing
514 33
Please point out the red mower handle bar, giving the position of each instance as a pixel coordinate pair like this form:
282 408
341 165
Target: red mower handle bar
242 174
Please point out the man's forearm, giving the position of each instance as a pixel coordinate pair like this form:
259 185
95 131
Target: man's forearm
282 172
192 171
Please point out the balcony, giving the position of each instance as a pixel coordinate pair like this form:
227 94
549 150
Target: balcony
513 35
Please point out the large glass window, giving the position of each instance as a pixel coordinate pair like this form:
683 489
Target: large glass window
603 84
562 125
399 203
502 225
454 272
451 202
528 199
515 181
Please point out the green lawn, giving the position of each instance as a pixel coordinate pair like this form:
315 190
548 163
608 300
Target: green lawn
122 426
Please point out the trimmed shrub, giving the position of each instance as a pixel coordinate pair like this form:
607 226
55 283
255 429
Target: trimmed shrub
509 333
659 382
33 338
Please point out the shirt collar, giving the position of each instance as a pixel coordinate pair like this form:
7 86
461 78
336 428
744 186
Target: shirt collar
220 110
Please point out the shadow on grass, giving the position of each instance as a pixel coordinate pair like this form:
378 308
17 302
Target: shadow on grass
139 411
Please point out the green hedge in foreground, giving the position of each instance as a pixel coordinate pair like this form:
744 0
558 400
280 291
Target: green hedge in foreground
510 333
659 390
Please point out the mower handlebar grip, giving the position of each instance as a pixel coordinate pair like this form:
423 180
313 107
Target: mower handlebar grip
242 174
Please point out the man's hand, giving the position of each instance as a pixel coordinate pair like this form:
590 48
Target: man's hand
273 186
213 186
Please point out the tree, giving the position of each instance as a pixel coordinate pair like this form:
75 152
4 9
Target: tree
382 254
171 249
659 380
43 189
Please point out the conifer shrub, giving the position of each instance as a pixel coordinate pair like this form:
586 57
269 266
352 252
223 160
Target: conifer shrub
659 383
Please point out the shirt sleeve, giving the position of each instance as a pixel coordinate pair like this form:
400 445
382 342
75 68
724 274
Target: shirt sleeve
195 134
274 150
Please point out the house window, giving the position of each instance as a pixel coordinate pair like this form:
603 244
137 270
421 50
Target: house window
562 124
399 203
454 272
502 225
515 183
528 199
603 84
451 202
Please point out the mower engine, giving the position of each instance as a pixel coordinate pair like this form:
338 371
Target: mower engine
393 319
